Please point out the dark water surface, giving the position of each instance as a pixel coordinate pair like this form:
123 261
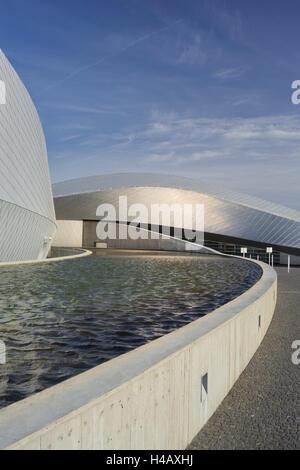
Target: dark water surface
60 319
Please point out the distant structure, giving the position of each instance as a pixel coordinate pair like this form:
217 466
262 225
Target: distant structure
26 203
232 220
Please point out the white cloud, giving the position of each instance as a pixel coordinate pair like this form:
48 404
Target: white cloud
229 74
160 127
176 139
87 109
206 154
241 151
160 157
193 52
70 137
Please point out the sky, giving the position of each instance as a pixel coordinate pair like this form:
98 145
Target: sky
197 88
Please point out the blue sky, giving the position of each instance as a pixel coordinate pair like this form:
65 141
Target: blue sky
195 88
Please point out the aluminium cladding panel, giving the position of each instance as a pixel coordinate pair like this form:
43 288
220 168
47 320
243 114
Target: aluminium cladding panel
24 174
22 234
125 180
222 217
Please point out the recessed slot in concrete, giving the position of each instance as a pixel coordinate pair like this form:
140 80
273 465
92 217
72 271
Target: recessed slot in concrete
204 386
259 321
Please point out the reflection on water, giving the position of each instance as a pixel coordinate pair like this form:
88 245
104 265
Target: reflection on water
60 319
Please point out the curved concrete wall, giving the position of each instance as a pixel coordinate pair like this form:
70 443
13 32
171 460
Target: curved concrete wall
26 204
61 254
154 396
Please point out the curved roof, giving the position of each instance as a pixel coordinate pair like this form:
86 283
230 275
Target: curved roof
95 183
226 213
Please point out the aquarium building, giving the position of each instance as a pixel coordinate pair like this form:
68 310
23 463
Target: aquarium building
28 222
231 220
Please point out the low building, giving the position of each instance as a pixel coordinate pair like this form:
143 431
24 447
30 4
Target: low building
232 220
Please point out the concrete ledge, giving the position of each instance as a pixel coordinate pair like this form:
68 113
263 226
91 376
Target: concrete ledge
80 254
151 397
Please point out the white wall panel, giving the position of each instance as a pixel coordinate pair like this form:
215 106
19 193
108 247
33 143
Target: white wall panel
68 233
27 220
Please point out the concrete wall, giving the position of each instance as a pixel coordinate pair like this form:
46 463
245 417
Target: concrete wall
148 242
68 233
151 397
89 236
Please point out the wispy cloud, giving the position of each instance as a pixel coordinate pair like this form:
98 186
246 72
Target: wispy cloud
248 153
70 137
112 54
248 100
160 157
206 154
193 52
226 19
228 74
88 109
172 138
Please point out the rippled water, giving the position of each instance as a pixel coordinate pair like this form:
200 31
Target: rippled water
60 319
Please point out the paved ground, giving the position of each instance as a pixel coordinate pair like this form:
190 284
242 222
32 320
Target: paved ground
261 410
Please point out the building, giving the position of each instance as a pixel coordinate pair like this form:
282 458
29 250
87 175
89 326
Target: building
28 223
232 220
26 202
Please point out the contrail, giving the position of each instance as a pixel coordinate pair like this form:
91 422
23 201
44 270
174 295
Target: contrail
109 56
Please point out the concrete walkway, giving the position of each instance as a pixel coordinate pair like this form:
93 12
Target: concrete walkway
261 410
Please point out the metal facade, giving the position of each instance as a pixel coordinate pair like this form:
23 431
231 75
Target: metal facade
226 213
26 202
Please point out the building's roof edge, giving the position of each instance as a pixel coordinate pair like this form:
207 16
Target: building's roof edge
107 182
